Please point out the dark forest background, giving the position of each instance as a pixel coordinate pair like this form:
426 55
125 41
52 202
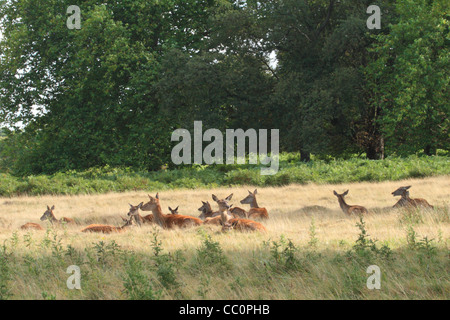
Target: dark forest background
113 92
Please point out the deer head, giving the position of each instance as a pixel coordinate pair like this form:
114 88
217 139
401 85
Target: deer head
223 203
48 214
173 211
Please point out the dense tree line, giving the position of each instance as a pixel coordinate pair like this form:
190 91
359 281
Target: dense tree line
113 91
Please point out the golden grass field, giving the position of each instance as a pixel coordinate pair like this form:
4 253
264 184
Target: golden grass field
247 253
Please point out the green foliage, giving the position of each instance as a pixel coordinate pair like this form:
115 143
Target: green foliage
410 77
137 284
367 248
111 93
292 171
5 273
210 254
283 255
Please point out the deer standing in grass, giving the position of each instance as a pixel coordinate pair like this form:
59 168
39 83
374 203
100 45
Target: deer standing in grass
100 228
168 221
31 226
349 209
406 201
255 211
50 216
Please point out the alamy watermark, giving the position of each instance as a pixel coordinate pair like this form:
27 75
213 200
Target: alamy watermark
74 281
74 20
234 139
374 21
374 281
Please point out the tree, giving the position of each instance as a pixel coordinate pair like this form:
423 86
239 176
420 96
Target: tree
411 78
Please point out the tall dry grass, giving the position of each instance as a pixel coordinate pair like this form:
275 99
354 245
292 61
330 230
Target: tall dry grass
297 213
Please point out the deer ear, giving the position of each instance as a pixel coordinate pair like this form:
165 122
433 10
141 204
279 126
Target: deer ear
214 197
176 209
203 202
249 192
335 193
131 205
140 205
48 208
170 209
229 197
157 195
346 193
53 207
406 188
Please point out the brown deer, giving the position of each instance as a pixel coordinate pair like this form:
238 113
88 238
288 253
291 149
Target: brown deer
207 215
31 226
242 225
100 228
406 201
168 221
206 210
50 216
134 211
349 209
255 211
224 213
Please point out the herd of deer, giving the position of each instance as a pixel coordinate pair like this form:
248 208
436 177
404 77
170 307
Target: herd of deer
227 216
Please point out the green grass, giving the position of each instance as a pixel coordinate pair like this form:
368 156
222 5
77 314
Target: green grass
280 268
291 171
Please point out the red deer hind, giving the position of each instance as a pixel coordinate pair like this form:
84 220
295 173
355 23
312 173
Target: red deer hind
349 209
50 216
406 201
255 211
168 221
100 228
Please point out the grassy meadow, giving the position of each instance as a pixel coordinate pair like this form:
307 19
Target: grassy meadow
311 249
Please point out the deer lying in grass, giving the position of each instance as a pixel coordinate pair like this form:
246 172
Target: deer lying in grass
349 209
100 228
241 225
224 213
206 210
406 201
50 216
31 226
168 221
255 211
134 212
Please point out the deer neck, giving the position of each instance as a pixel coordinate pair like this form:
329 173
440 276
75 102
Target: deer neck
254 204
405 196
224 216
159 216
52 218
343 204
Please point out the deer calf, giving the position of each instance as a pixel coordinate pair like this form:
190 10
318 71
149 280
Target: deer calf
349 209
